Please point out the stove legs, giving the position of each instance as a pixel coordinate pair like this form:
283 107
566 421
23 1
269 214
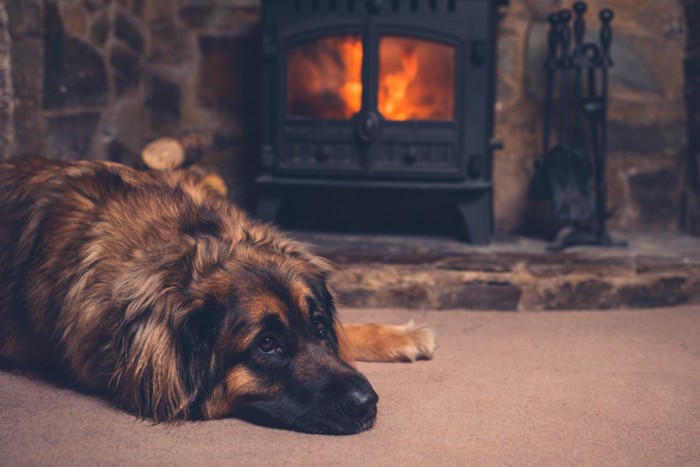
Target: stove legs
471 208
474 207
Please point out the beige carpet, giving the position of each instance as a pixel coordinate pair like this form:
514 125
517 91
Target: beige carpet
549 388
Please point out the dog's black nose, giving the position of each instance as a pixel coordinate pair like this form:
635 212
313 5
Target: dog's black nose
359 403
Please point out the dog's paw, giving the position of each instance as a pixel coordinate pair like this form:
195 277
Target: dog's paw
388 342
421 342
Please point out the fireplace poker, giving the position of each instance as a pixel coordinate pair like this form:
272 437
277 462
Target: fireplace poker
550 66
606 16
539 187
579 32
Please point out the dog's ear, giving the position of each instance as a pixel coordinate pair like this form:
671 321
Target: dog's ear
163 369
328 297
268 237
197 338
320 267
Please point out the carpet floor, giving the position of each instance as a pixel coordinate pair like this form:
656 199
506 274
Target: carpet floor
547 388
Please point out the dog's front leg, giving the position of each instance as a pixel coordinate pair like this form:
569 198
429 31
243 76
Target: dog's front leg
386 343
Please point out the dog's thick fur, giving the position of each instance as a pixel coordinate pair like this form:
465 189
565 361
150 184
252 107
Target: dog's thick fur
152 288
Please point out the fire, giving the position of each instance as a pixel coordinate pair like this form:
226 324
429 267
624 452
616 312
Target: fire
416 78
324 78
351 91
394 103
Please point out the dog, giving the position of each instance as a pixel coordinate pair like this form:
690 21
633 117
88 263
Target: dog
154 289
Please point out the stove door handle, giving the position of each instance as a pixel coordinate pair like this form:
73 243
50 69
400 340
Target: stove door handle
368 126
496 144
478 52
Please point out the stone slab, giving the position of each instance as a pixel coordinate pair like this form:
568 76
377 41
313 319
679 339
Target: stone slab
657 269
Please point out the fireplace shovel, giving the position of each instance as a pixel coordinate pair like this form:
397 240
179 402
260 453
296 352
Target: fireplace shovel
539 188
567 170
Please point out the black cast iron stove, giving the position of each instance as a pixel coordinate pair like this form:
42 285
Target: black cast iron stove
380 96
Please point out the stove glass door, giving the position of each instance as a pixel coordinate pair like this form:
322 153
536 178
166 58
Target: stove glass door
324 78
416 79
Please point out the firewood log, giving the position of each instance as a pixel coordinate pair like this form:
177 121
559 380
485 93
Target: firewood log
173 153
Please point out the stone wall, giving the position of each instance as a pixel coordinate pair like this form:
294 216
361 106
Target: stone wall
119 73
21 76
7 108
100 78
690 208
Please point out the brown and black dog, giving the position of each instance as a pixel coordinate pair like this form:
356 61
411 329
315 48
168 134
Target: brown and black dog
154 289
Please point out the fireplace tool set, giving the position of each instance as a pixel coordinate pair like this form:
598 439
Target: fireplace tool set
571 172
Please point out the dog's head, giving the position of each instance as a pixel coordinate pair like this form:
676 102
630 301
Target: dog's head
256 337
279 351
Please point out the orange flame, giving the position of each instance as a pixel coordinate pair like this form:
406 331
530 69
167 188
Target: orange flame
393 103
324 78
351 91
416 78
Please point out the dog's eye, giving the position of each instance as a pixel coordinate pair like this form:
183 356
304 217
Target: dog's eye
267 344
320 326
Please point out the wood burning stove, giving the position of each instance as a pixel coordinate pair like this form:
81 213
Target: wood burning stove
380 95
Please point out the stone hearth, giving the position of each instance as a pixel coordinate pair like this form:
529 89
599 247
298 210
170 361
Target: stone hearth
658 269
